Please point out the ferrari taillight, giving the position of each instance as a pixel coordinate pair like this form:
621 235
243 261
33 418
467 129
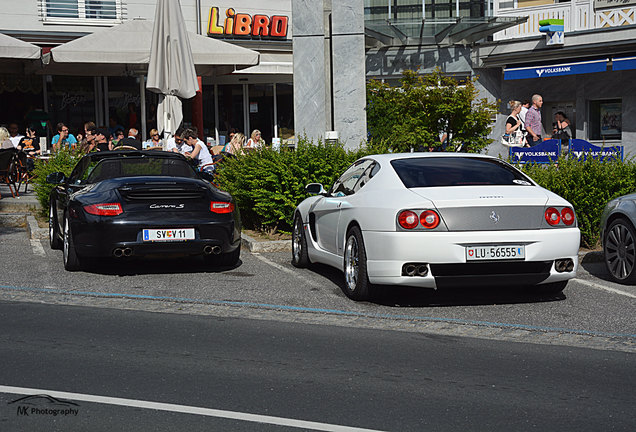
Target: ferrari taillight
221 207
408 219
429 219
552 216
106 209
567 216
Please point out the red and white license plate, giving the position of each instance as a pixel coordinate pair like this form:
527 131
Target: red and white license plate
489 253
176 234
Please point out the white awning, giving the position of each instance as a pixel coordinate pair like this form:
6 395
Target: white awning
275 64
12 48
125 49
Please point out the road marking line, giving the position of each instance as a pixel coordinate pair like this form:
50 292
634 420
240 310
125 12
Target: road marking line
605 288
234 415
286 270
36 245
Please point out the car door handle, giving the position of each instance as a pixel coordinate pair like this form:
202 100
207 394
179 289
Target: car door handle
339 204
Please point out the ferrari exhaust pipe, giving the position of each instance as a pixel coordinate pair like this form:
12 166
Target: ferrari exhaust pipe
569 266
422 270
409 270
564 265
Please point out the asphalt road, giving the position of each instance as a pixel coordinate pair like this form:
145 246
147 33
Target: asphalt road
166 372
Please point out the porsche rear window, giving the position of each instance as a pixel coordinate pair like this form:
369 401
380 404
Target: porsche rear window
133 167
456 171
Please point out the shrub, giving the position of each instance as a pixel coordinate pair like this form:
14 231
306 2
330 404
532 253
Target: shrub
268 185
62 161
588 185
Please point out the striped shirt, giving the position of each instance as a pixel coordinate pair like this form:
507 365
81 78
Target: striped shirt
533 120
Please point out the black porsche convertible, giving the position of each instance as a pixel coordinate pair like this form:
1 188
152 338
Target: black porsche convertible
126 204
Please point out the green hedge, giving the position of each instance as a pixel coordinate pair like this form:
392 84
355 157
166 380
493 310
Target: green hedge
267 185
63 161
588 186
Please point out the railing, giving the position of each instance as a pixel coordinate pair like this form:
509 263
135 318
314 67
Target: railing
578 15
82 12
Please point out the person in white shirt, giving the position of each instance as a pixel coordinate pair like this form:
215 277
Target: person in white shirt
14 135
176 143
524 109
200 151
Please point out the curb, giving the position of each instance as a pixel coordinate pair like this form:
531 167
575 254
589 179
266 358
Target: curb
13 220
33 229
252 245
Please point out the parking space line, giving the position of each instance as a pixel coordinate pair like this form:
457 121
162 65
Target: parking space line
604 288
286 270
185 409
38 250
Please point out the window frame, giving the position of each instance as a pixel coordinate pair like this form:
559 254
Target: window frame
82 19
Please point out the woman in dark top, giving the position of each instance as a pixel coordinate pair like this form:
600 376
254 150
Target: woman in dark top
514 126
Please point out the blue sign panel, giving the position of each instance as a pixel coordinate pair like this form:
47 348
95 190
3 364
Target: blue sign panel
555 70
548 150
582 149
623 63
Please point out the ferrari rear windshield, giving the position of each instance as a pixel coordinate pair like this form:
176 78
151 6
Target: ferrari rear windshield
137 166
456 171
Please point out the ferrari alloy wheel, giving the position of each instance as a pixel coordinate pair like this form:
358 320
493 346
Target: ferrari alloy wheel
357 284
300 257
54 233
619 248
71 261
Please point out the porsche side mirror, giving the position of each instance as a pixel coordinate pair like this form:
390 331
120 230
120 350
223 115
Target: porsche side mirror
315 189
56 178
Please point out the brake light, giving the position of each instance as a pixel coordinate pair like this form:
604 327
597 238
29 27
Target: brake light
407 219
552 216
221 207
429 219
108 209
567 216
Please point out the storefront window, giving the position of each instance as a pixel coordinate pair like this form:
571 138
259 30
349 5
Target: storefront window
71 101
606 119
261 110
285 108
231 109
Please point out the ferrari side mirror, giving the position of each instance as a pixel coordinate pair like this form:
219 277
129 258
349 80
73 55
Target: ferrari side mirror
315 189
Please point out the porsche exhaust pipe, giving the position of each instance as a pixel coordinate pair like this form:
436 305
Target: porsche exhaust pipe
127 252
208 250
118 252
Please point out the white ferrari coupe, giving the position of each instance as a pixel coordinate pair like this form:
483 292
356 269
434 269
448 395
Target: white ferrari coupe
435 220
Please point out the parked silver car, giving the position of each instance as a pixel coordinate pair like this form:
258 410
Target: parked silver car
618 234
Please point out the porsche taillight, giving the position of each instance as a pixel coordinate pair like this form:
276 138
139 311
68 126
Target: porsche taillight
106 209
221 207
411 219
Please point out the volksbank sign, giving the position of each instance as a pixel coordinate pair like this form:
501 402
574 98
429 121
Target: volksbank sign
548 71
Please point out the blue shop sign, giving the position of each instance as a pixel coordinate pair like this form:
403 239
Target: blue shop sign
623 63
547 71
545 152
582 149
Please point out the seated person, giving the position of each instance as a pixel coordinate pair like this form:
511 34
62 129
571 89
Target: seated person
199 152
63 138
30 144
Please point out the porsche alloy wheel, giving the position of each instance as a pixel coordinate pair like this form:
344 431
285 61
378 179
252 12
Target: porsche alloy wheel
355 266
619 248
54 235
71 261
300 258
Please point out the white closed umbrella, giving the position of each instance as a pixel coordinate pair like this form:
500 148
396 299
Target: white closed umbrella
171 70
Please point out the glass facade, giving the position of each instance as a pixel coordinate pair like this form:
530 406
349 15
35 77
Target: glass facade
412 10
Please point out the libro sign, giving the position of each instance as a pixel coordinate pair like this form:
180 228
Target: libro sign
256 26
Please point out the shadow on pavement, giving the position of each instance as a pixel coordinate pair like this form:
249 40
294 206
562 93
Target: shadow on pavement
176 265
399 296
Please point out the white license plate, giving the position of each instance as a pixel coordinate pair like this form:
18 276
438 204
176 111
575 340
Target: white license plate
178 234
508 252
